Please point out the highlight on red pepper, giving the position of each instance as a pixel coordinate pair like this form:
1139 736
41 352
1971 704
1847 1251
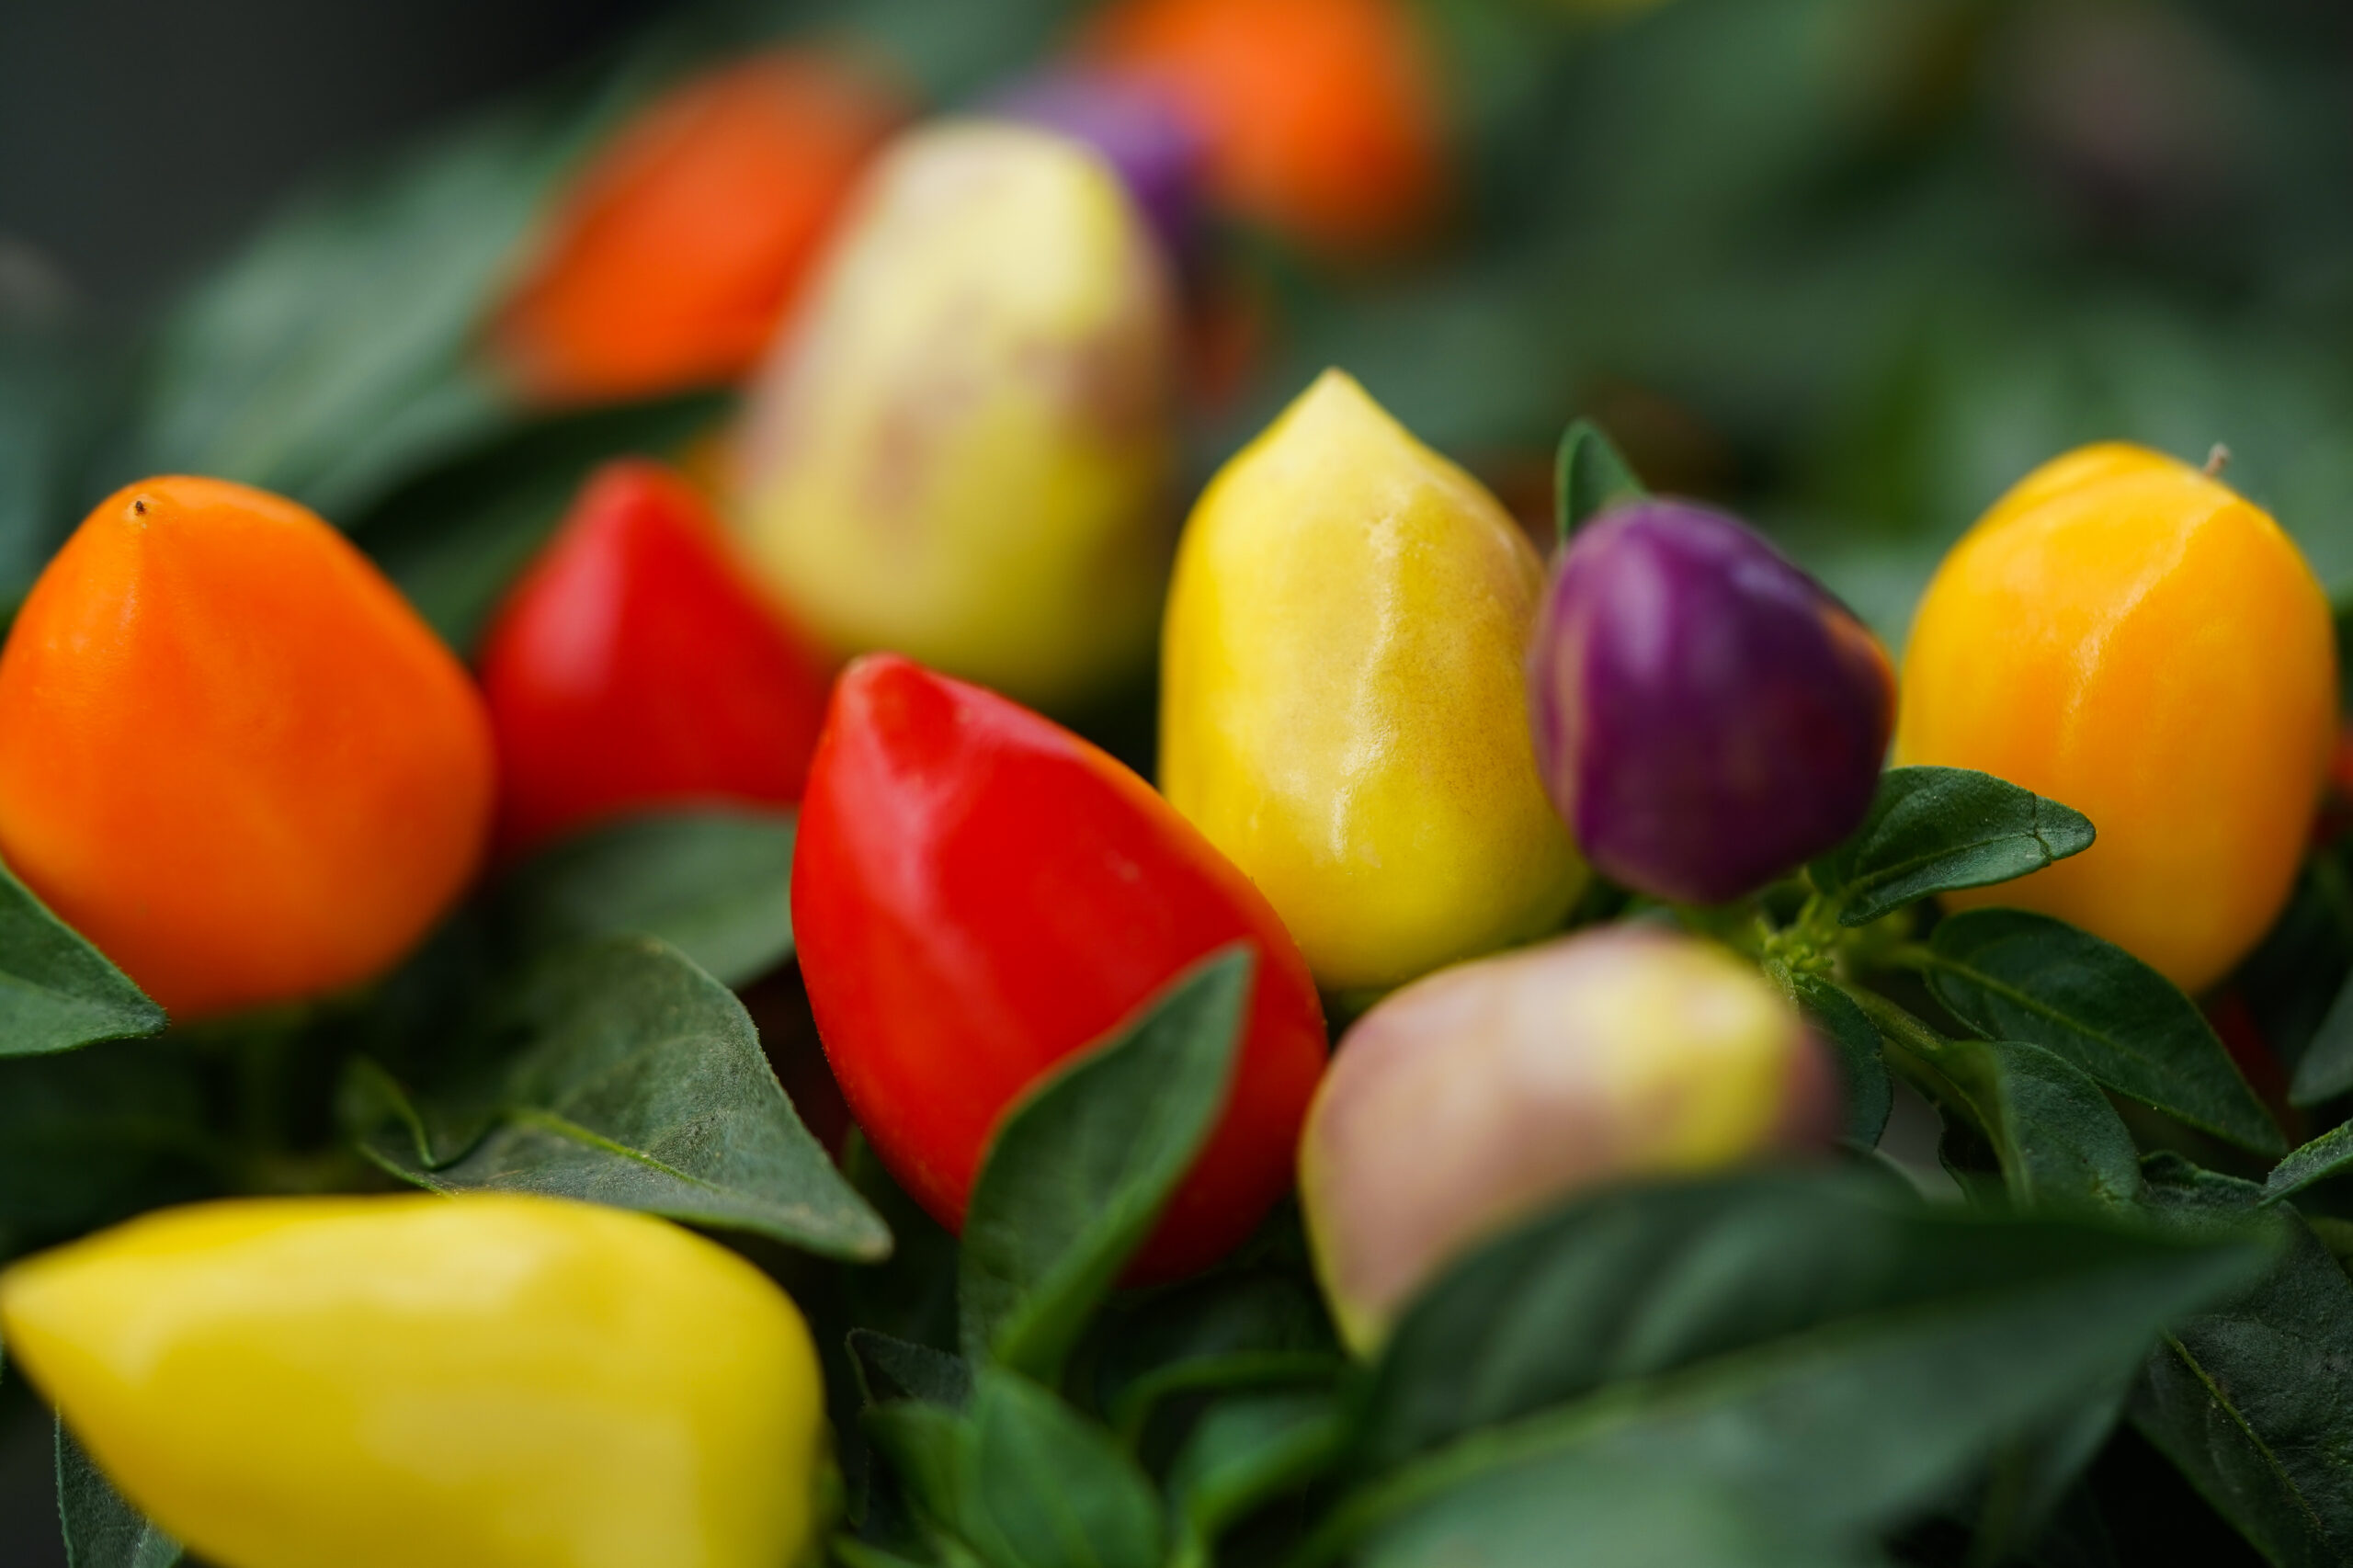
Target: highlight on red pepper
686 240
1322 116
1705 715
1484 1093
635 665
979 893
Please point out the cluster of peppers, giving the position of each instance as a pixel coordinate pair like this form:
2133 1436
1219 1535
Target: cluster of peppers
1397 756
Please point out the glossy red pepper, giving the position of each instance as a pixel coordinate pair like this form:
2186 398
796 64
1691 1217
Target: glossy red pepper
632 666
979 893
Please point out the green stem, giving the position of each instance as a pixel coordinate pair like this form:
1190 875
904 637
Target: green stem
1917 1052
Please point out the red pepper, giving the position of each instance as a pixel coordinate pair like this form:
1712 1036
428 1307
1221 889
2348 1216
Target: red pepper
633 666
977 894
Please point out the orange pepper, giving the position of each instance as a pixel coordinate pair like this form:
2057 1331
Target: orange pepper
2129 636
1322 115
231 755
684 242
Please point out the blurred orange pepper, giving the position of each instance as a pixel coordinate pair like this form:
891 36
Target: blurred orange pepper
1322 115
231 755
686 240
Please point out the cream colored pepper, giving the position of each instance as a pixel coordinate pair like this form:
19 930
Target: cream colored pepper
961 452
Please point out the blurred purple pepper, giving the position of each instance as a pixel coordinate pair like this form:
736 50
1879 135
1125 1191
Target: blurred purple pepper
1705 715
1157 152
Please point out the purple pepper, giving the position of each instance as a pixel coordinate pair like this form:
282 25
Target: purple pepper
1156 150
1707 716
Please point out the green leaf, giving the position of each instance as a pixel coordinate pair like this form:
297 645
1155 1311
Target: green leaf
1934 830
2011 974
640 1084
101 1530
2254 1400
1044 1489
1600 1511
910 1295
1945 1353
456 537
891 1370
1248 1328
1242 1453
1866 1091
1020 1480
1080 1169
2059 1144
334 353
2330 1154
1636 1285
58 992
2325 1070
716 884
1589 474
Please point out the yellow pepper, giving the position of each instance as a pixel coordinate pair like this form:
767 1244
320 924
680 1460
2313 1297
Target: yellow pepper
962 451
2125 634
496 1382
1344 708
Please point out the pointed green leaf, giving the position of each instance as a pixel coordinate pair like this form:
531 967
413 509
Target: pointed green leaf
1246 1451
2059 1144
890 1370
1081 1168
1045 1488
1919 1353
1643 1284
2011 974
58 992
2328 1155
1864 1089
1934 830
641 1084
2254 1400
1589 474
716 884
101 1530
2325 1070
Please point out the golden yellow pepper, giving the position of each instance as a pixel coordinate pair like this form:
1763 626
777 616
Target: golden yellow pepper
2125 634
497 1382
1343 708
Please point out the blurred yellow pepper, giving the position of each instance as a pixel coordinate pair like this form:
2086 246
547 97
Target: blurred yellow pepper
1344 708
2126 635
962 451
496 1382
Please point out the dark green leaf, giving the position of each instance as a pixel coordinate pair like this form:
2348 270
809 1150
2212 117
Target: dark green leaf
1242 1453
641 1084
2059 1144
1044 1489
716 884
2325 1071
58 992
334 352
101 1530
1638 1284
1934 830
925 1444
1081 1168
1600 1511
1589 473
2011 974
2330 1154
2254 1401
1864 1088
456 538
1234 1328
890 1370
2000 1329
910 1295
